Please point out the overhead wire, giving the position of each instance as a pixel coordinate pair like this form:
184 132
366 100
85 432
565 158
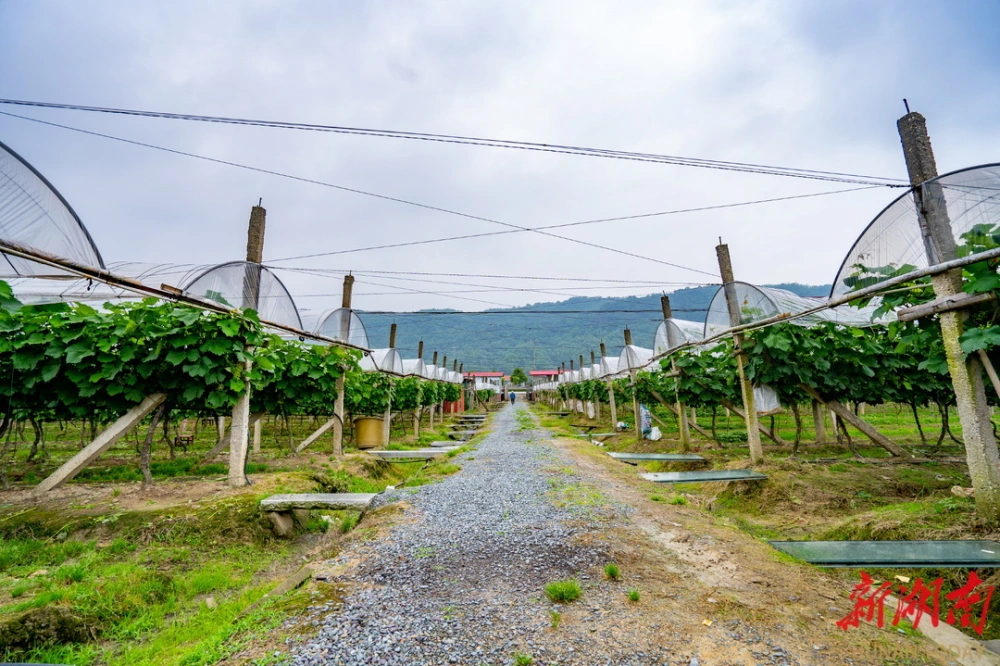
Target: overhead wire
355 191
343 271
746 167
542 229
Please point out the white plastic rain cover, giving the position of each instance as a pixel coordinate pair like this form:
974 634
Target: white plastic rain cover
382 360
344 325
414 366
34 214
609 366
672 333
635 358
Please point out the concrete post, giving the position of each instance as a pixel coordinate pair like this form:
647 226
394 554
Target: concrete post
416 412
746 388
387 418
820 425
682 419
433 407
257 426
101 443
611 392
239 430
597 402
338 405
966 373
635 392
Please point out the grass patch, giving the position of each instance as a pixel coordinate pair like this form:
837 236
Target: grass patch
678 500
561 591
555 619
633 594
521 659
349 522
612 571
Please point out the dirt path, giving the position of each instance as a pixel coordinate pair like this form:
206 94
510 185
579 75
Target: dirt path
461 577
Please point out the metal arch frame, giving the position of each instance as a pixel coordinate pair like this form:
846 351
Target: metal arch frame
263 268
770 299
326 315
908 192
62 200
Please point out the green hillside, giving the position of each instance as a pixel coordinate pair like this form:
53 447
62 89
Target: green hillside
528 338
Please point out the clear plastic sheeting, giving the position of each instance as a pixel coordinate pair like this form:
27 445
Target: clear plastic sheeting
414 366
344 325
382 360
757 303
37 290
249 286
672 333
765 400
34 214
893 241
636 358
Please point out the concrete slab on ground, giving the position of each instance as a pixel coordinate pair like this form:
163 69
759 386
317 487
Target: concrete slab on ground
333 501
701 477
666 457
415 454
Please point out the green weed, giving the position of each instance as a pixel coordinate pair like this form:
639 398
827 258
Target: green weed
633 594
611 571
349 522
521 659
563 590
678 500
555 618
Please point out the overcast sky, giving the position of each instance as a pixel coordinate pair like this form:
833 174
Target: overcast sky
801 84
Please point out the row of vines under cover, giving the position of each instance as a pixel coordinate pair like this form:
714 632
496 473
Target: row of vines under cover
63 362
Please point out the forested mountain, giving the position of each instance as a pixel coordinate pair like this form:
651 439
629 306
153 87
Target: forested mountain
543 335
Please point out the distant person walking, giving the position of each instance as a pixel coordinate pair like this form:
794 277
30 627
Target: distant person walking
512 396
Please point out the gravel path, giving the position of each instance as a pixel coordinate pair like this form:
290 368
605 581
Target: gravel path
463 584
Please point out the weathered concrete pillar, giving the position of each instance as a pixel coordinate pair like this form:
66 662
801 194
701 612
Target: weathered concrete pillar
257 425
746 388
387 418
101 443
820 426
611 392
635 392
966 373
239 430
338 405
